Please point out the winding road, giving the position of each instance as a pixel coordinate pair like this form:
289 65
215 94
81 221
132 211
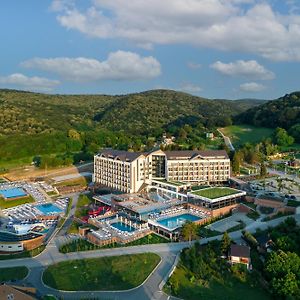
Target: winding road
227 140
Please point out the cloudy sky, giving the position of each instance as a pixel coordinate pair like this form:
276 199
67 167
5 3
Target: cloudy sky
213 48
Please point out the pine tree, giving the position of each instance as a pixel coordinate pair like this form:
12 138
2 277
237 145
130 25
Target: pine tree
225 244
263 170
236 163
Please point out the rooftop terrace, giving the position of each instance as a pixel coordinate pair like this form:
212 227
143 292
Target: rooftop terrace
215 192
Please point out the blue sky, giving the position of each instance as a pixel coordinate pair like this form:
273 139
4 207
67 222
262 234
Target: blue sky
212 48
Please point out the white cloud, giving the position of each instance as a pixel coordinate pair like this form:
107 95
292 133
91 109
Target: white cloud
61 5
194 65
190 88
249 69
229 25
119 65
252 87
30 83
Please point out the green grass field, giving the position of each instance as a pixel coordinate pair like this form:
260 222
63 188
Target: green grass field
216 192
241 134
12 274
11 203
107 273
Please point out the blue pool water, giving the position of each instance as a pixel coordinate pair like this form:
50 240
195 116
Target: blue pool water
123 227
177 221
13 193
49 209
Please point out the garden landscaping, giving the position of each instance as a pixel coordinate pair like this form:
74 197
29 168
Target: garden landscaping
83 245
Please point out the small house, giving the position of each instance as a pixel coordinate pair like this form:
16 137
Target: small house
240 254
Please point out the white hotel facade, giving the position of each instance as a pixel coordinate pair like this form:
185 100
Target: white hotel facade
130 172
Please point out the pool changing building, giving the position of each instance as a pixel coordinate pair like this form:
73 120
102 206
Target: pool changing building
131 172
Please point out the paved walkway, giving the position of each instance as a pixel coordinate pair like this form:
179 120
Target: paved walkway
227 140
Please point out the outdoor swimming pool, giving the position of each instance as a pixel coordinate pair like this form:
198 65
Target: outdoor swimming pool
49 209
13 193
123 227
177 221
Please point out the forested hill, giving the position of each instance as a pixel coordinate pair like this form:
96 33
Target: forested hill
144 112
32 113
41 124
283 112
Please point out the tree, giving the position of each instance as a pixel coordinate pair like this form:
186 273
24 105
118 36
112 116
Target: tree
225 244
236 163
189 231
74 134
285 286
263 170
295 132
282 138
283 270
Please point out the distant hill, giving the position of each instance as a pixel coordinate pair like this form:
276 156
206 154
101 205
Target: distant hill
39 124
143 112
247 103
283 112
32 113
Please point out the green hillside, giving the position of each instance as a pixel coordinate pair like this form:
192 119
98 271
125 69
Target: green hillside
33 124
283 112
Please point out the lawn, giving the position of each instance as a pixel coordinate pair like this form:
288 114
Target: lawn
83 245
80 181
82 206
12 203
12 274
216 192
241 134
293 203
74 227
106 273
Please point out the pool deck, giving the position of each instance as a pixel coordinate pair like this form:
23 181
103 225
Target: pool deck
155 222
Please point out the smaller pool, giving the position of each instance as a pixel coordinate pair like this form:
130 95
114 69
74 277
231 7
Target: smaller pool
178 221
123 227
13 193
49 209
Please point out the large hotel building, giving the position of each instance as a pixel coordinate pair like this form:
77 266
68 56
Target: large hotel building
131 172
